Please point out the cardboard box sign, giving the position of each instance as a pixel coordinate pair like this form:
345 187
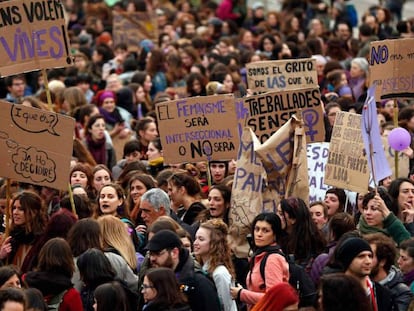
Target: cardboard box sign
33 36
198 128
133 27
281 75
391 68
35 145
266 113
347 166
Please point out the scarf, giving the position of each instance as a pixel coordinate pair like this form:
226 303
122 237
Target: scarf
364 228
156 161
97 149
409 278
113 117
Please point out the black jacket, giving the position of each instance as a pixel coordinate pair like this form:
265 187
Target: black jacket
400 292
385 301
199 289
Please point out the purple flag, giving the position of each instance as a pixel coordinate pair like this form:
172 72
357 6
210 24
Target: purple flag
372 138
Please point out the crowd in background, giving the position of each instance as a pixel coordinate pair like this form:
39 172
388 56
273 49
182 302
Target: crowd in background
142 234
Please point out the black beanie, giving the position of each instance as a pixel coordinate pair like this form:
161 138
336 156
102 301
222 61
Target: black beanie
349 249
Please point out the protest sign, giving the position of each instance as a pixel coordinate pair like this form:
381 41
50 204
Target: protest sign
198 128
246 197
284 159
347 166
33 36
265 173
266 113
391 63
35 145
372 139
282 75
317 154
133 27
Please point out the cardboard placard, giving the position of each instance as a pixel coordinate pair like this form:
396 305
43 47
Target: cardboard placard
282 75
347 165
266 113
265 173
317 154
133 27
391 68
33 36
198 128
35 145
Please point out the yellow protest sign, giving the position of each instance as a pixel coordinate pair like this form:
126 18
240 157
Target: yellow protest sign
347 165
266 113
198 128
281 75
35 145
391 68
33 36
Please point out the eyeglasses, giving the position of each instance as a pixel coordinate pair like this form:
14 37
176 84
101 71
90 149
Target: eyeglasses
145 286
157 254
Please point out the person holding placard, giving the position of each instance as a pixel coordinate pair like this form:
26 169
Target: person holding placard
376 217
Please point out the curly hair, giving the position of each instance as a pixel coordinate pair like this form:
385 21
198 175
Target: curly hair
219 253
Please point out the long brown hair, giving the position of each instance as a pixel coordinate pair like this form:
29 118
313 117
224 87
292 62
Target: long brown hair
219 248
34 212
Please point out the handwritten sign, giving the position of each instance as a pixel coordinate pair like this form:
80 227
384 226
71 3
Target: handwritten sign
133 27
266 113
198 128
317 154
35 145
282 75
33 36
347 166
391 68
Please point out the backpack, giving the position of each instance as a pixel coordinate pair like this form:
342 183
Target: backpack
298 278
54 303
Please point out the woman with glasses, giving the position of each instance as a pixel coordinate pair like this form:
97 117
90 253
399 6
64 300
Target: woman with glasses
161 291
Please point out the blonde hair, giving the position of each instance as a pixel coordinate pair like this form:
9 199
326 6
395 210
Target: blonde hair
115 234
219 248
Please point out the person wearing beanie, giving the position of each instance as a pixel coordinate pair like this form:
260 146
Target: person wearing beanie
356 259
166 250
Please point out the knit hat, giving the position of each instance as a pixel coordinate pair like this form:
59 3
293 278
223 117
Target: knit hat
349 249
104 95
164 239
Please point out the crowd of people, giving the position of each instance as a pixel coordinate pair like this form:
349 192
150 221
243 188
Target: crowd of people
137 233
